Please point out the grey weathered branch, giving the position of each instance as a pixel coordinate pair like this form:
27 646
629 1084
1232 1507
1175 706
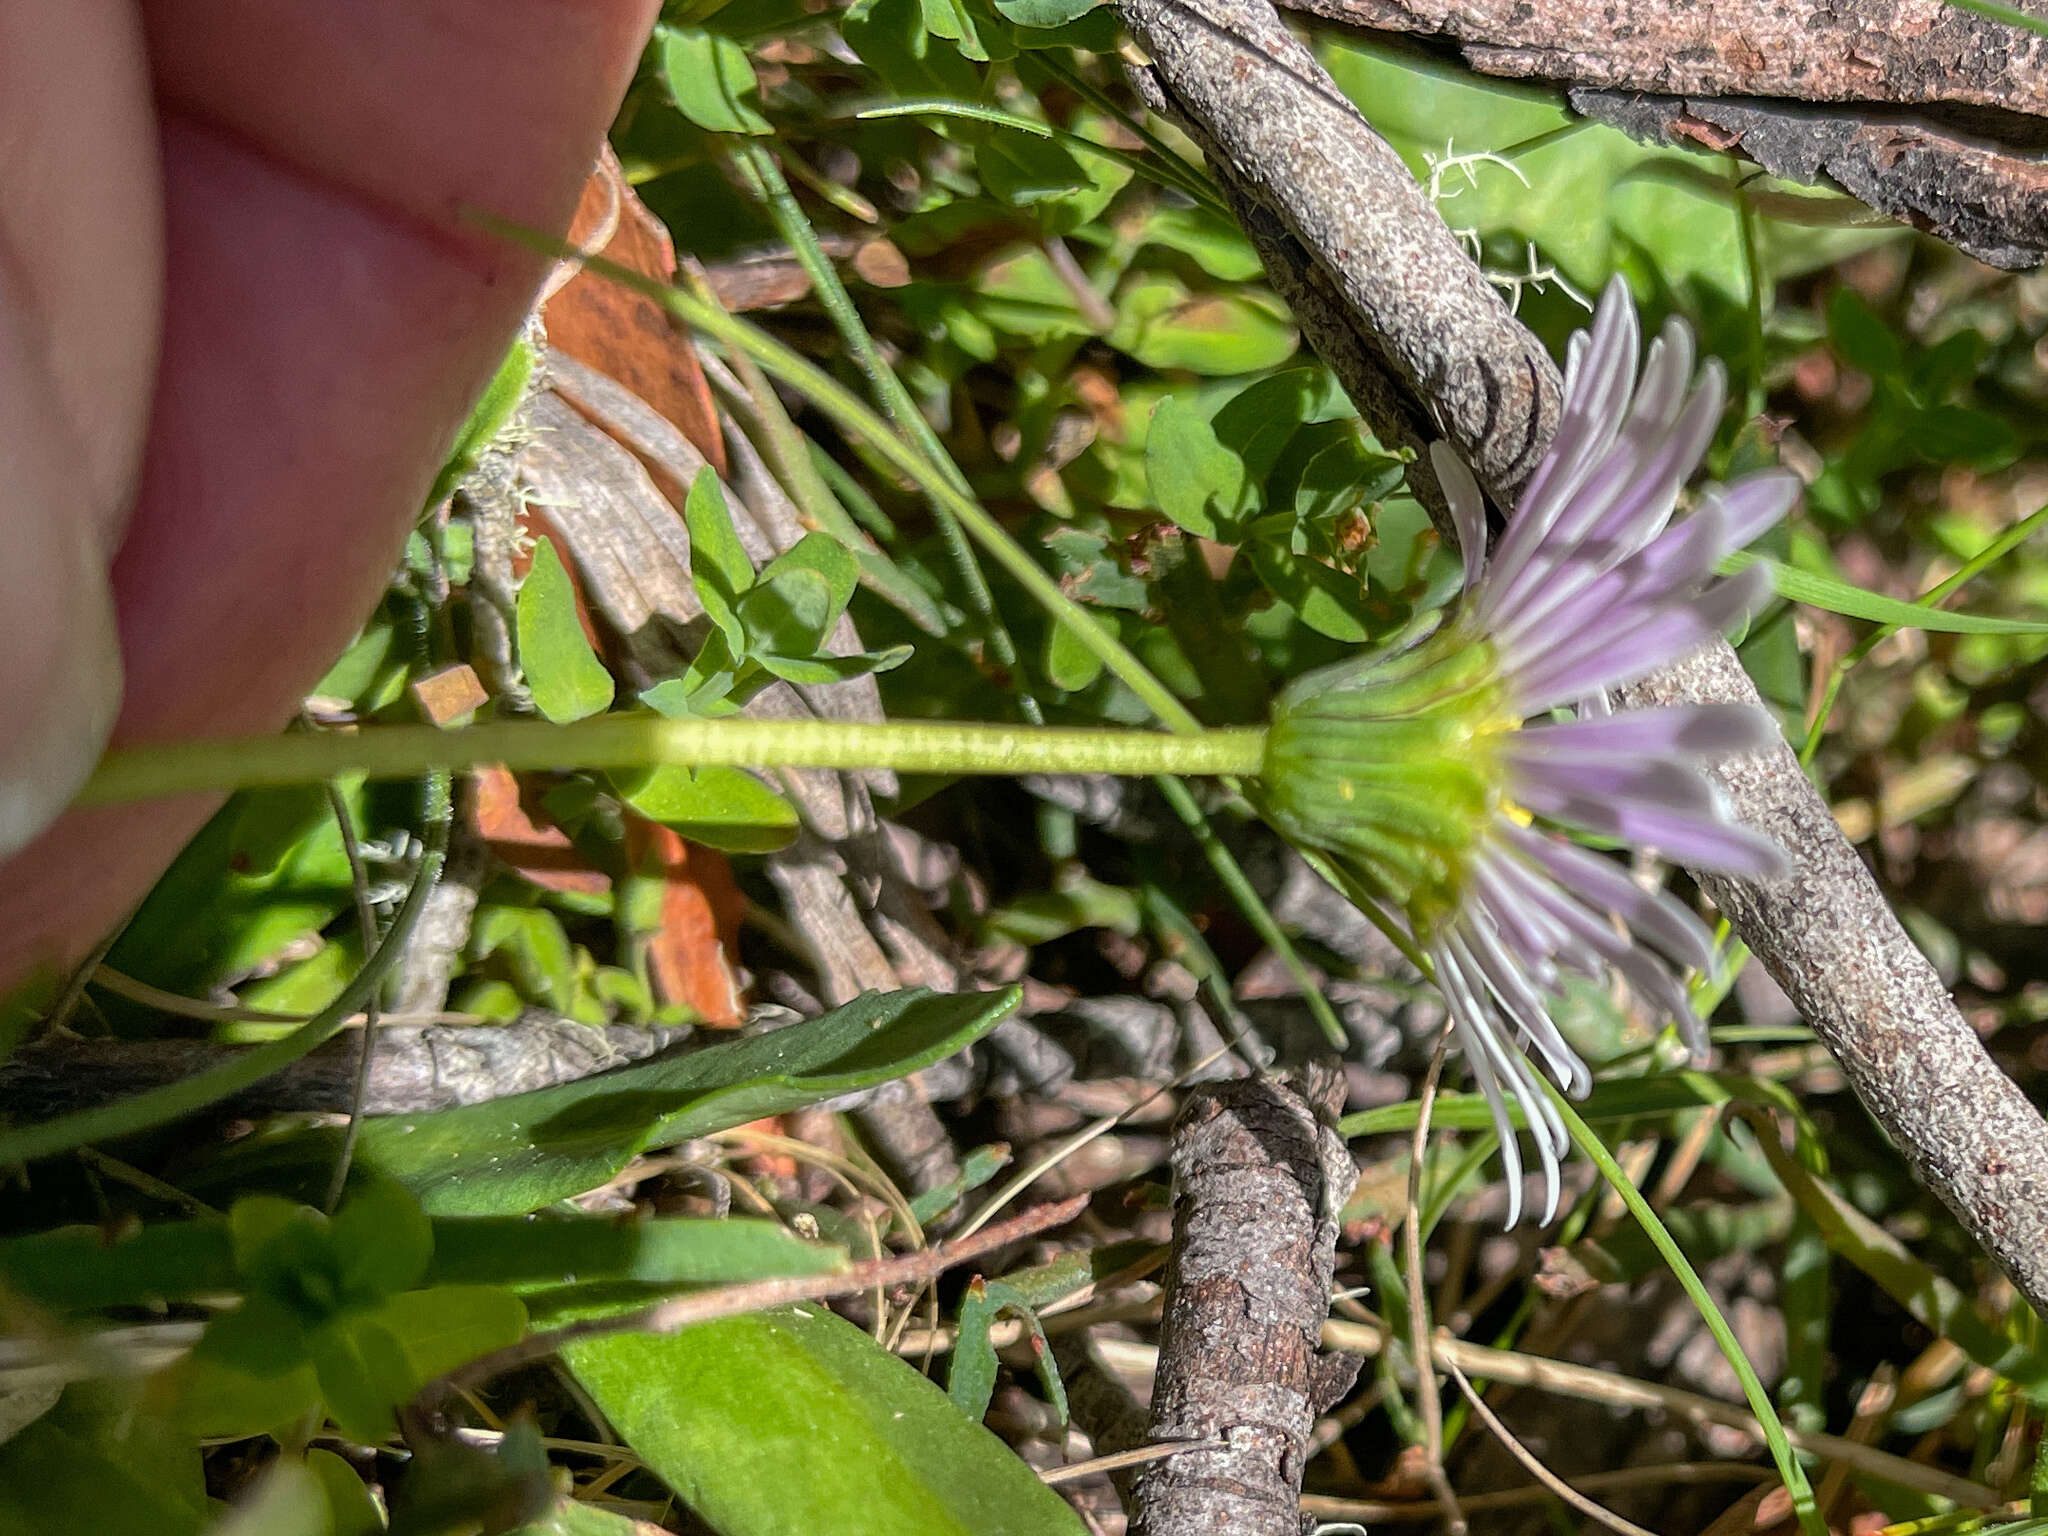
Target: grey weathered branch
1928 113
1906 52
414 1068
1247 1294
1357 224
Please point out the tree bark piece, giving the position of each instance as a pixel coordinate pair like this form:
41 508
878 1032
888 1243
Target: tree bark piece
1928 113
1981 198
1258 1177
1906 52
1353 219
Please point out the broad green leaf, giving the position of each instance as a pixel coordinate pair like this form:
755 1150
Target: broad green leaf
250 1372
520 1252
719 566
1069 664
521 1153
351 1510
436 1329
711 81
95 1463
1163 324
1195 480
82 1269
567 679
266 872
289 1499
724 808
799 595
795 1420
1330 602
891 38
1862 337
1213 243
1044 13
1838 596
382 1238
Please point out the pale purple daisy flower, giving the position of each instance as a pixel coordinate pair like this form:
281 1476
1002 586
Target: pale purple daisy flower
1439 784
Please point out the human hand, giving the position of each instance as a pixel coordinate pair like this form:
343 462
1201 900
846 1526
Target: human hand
241 317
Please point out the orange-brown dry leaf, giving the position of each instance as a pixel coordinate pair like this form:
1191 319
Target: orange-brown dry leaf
521 837
624 334
687 957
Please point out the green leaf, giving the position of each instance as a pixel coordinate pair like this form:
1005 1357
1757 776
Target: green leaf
436 1329
1862 338
1069 664
891 38
813 670
719 566
1162 324
799 595
1329 601
382 1238
95 1463
1195 480
1044 13
567 679
724 808
487 419
521 1153
250 1372
795 1420
711 81
1838 596
351 1511
289 1499
520 1252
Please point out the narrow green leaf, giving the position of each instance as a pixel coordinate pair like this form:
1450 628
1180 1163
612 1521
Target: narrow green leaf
522 1153
795 1420
1854 602
487 419
1933 1301
521 1252
567 679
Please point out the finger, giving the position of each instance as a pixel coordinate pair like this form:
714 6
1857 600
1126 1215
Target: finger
329 318
81 279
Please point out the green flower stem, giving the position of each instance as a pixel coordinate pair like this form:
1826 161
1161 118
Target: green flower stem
1239 887
647 740
160 1106
854 417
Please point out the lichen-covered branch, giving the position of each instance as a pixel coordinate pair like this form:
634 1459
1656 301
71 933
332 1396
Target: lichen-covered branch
1356 224
1247 1293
